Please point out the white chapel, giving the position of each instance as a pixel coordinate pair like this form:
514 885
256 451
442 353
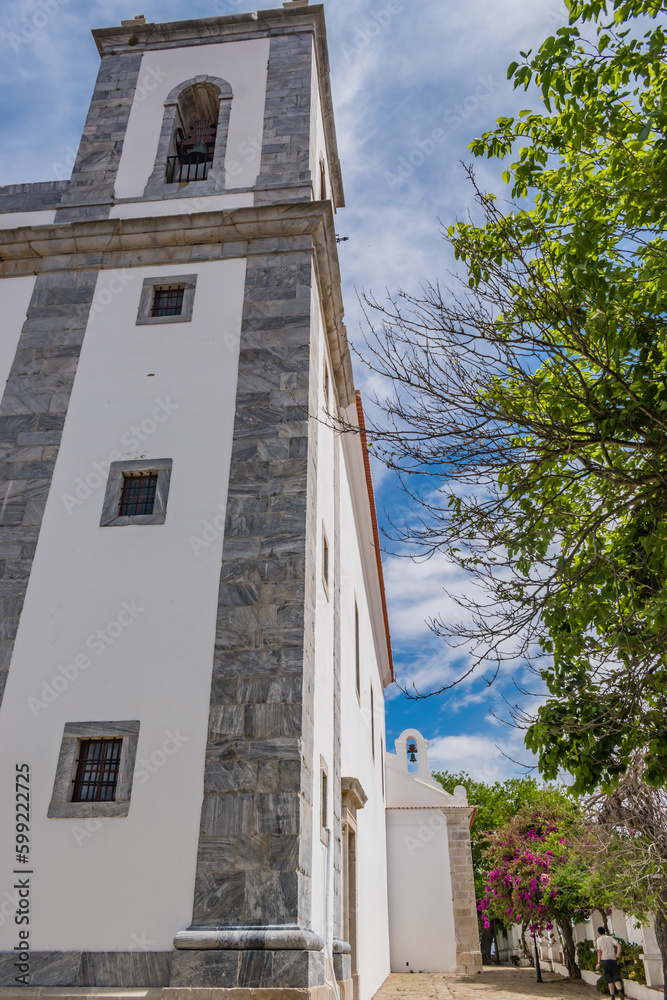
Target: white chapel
194 645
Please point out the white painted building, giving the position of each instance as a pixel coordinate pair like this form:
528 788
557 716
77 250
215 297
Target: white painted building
432 916
194 644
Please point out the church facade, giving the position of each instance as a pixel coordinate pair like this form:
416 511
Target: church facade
194 645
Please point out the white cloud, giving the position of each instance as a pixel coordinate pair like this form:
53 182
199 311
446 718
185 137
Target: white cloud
485 756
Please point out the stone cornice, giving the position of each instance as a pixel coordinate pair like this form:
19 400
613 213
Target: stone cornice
124 243
353 791
233 28
270 938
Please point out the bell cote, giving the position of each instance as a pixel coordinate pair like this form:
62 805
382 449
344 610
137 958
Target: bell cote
232 111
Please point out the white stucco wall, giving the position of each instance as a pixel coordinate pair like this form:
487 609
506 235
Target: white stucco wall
242 64
421 925
323 743
14 220
181 206
15 294
318 148
156 391
357 759
421 904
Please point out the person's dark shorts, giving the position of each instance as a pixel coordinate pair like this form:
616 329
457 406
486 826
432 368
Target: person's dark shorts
611 971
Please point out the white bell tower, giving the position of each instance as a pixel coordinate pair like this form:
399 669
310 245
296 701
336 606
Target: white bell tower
432 915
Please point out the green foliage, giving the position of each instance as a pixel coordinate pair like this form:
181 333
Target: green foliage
587 955
630 963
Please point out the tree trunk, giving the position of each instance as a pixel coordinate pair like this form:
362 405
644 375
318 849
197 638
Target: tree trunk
494 928
569 950
485 944
661 937
527 952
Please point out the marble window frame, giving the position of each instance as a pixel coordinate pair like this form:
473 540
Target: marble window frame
187 282
61 805
110 516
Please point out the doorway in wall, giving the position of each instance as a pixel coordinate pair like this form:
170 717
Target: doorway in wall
350 900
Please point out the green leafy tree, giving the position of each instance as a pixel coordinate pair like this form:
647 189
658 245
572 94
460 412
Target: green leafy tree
628 848
529 417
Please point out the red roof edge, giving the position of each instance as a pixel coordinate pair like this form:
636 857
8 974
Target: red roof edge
374 521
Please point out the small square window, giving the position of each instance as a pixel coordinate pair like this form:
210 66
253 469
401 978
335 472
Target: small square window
168 301
97 770
136 493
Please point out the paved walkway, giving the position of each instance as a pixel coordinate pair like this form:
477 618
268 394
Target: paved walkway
494 984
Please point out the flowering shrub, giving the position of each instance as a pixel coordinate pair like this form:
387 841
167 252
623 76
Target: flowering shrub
527 859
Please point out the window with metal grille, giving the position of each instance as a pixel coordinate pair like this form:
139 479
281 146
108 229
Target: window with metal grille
138 494
168 301
97 770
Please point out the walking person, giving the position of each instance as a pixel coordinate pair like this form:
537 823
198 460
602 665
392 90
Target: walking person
609 952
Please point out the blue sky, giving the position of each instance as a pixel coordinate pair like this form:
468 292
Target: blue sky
414 81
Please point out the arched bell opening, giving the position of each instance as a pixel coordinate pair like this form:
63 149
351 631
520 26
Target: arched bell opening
193 139
195 129
412 752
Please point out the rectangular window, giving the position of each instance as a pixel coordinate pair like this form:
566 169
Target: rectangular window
325 796
168 300
138 494
382 763
97 770
324 800
357 654
325 561
372 724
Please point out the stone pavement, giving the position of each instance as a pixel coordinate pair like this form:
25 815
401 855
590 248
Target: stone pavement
504 983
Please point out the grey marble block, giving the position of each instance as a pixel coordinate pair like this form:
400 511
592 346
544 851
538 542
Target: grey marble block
298 968
205 968
47 968
74 968
140 968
